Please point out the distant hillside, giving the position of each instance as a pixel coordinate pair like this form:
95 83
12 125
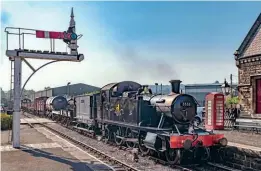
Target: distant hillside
6 94
166 89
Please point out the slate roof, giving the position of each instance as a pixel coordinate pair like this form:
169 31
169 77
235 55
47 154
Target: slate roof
251 45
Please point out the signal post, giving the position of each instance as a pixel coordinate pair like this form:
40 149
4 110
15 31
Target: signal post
18 55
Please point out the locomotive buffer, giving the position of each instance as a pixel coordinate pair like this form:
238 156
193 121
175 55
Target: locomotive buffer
18 55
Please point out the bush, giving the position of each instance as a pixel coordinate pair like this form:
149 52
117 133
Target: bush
233 100
6 121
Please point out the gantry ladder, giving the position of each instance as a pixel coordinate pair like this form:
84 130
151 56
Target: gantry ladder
11 98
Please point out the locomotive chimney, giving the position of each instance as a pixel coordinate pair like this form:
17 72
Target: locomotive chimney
175 86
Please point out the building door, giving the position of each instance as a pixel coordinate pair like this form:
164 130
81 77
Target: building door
258 96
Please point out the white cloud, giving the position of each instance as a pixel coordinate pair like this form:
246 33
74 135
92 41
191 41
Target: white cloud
106 60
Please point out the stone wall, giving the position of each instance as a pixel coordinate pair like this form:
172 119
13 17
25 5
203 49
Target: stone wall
245 97
243 159
248 70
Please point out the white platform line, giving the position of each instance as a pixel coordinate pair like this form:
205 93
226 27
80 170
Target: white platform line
30 146
78 148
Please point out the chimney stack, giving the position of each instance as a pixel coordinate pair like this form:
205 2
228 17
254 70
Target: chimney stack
175 86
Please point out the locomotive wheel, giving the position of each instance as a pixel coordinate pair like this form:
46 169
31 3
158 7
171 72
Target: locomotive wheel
107 135
201 154
172 155
144 150
118 132
130 134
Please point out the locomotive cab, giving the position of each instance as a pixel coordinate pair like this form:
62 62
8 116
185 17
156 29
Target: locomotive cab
115 90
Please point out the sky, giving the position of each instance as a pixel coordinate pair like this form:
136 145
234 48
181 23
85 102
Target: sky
146 42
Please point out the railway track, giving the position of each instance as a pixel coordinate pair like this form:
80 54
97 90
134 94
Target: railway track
209 166
121 166
214 167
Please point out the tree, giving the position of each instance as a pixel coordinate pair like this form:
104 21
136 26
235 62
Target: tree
3 94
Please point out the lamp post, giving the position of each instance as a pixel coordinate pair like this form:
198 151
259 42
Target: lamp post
68 90
156 84
225 88
161 88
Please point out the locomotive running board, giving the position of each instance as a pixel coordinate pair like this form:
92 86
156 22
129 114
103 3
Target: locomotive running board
142 128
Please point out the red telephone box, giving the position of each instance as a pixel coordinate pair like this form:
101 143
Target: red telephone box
214 108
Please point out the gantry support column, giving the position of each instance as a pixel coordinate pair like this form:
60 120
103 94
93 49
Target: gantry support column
17 101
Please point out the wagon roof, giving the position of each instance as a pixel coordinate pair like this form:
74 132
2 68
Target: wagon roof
39 98
108 86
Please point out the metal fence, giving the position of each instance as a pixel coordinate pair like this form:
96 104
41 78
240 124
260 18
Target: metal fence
230 116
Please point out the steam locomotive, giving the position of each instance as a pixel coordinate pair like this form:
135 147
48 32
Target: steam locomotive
155 123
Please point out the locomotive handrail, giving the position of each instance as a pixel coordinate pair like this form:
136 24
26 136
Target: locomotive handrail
160 106
204 130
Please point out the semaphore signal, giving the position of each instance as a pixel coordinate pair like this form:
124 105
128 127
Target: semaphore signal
56 35
20 54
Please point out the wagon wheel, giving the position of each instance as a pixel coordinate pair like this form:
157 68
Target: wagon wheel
130 134
91 128
68 122
144 150
172 155
118 132
107 135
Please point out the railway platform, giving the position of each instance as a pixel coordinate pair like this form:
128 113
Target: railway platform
240 137
43 150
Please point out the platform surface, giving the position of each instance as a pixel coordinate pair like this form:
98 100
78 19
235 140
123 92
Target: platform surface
242 139
41 150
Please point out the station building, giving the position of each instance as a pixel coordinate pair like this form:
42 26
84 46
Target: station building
248 62
199 91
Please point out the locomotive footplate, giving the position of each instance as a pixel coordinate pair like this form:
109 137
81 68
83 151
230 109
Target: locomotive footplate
136 127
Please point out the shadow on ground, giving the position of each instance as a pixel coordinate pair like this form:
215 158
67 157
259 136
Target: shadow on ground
75 166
